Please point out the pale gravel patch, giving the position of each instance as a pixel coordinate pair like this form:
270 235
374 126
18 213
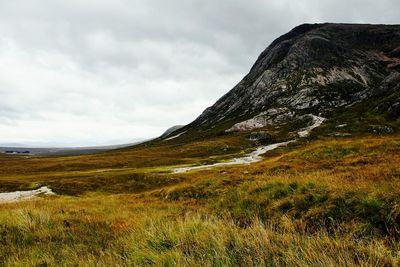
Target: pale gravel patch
24 195
253 157
317 121
175 136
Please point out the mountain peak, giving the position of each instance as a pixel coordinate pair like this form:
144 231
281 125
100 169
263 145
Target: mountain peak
314 69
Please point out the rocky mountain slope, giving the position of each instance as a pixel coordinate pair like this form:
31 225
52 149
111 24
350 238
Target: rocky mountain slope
315 70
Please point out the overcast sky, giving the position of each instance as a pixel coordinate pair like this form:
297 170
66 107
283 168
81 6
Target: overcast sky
93 72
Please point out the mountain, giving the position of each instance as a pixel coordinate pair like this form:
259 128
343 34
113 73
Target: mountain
315 70
170 130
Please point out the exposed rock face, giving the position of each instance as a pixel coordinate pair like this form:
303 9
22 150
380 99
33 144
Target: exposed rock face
313 69
270 117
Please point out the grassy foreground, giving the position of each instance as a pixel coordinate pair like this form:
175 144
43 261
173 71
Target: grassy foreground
332 202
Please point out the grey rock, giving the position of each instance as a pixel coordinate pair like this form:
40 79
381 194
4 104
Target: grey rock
260 136
380 129
270 117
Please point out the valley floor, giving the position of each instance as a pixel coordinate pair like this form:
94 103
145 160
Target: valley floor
327 202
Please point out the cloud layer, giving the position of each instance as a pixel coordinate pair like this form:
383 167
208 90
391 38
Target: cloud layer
76 73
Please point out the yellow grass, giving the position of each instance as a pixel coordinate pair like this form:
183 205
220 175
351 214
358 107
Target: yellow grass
332 202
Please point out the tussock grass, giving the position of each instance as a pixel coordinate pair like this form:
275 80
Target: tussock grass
330 202
139 235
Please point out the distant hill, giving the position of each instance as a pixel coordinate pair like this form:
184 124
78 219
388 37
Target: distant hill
170 130
18 150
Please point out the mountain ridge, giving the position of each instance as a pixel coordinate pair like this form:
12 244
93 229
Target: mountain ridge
314 69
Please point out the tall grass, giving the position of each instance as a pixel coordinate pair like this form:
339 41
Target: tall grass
330 203
39 237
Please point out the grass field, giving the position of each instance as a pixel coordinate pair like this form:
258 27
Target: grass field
320 202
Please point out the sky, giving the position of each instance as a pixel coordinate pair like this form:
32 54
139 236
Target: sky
96 72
